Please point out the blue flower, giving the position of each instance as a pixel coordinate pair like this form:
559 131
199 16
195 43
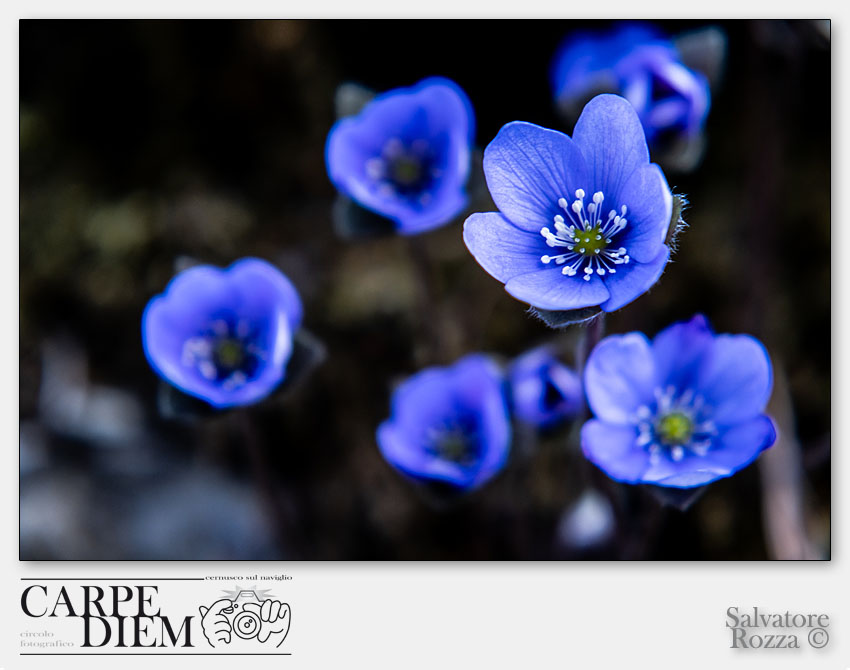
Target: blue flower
223 336
636 62
582 221
449 425
544 391
406 156
671 100
585 62
680 411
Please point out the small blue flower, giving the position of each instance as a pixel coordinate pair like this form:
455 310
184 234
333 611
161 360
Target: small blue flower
671 99
406 156
582 221
544 391
680 411
585 62
449 425
223 336
636 62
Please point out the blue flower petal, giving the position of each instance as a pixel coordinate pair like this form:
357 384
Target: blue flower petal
501 248
259 282
679 351
393 443
421 401
528 169
612 448
544 391
620 377
733 450
479 383
739 445
610 137
549 289
633 280
685 107
650 207
737 379
685 474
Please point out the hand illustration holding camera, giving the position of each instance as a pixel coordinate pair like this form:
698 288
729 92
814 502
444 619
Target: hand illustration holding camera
264 621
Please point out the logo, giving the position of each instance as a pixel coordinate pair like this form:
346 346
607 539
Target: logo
248 616
149 618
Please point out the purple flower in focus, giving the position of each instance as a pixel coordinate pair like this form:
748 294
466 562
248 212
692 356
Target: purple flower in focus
637 62
583 220
544 391
224 336
680 411
406 156
449 425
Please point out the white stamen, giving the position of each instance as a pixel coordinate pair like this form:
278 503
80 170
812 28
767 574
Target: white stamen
375 168
585 224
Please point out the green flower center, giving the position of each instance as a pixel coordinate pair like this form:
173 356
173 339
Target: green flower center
590 242
454 447
406 170
675 428
229 353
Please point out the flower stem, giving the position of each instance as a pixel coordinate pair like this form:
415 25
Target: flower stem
593 332
261 468
429 312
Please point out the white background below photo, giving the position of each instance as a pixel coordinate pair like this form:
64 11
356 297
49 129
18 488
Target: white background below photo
467 615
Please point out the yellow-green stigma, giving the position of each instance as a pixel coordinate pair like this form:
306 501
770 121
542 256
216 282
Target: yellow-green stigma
675 428
453 447
406 170
229 353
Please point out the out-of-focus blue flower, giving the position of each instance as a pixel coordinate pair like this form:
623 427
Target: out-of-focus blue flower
544 391
223 336
582 221
585 62
680 411
636 62
449 425
406 156
671 99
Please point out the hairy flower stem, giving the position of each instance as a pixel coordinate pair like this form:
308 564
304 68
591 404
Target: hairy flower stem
590 337
593 332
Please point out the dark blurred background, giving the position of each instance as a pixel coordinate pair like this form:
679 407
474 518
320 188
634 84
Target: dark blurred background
147 144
